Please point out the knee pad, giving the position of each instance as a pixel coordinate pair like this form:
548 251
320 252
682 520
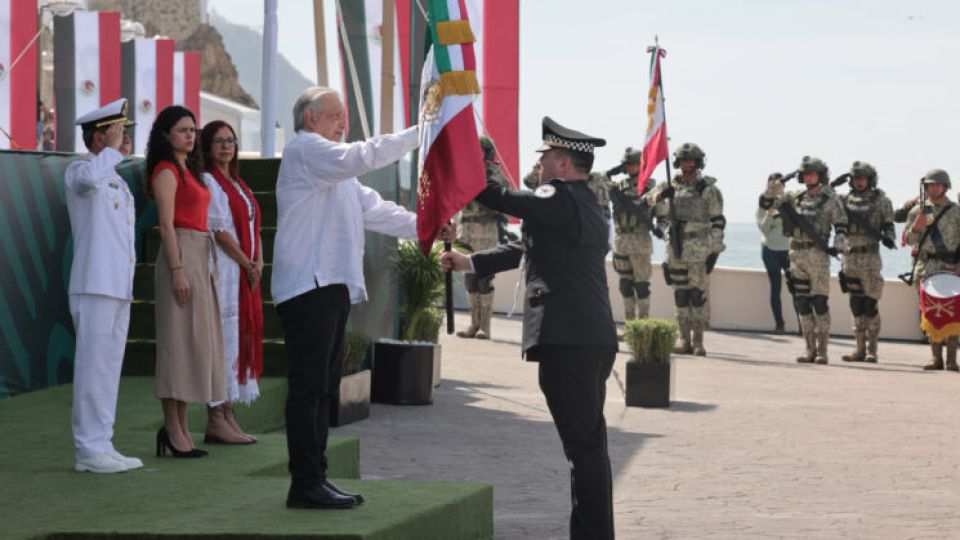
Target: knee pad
820 304
870 307
642 288
803 305
856 305
485 285
626 287
696 298
855 285
680 297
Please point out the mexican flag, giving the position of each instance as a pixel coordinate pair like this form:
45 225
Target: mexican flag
18 83
148 75
186 81
655 143
451 163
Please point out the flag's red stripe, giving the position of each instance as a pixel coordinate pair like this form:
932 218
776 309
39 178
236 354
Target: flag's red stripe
109 56
469 56
454 165
501 80
23 77
403 40
164 74
191 82
653 154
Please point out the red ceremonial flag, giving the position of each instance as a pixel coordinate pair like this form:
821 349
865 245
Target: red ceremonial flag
186 81
18 75
655 143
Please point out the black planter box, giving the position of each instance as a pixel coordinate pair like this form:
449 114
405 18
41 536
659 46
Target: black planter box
352 403
404 373
648 384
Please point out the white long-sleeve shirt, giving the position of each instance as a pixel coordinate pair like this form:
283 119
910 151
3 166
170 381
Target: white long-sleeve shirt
102 216
322 211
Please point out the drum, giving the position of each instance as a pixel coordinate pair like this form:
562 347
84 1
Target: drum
940 305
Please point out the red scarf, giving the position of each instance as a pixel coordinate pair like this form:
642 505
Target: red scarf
251 307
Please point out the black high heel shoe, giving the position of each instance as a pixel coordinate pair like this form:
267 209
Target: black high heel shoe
164 444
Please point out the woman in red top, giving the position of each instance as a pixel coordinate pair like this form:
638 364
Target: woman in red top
189 335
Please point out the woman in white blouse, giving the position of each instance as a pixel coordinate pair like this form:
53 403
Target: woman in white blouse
234 218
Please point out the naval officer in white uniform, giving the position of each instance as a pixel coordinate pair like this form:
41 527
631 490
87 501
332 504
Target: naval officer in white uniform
102 217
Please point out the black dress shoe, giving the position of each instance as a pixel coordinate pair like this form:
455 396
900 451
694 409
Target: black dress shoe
356 496
318 497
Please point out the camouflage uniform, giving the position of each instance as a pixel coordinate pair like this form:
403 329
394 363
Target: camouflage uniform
931 259
697 218
479 230
599 183
632 246
861 262
810 265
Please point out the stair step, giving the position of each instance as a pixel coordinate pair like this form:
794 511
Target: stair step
140 358
143 281
143 321
151 243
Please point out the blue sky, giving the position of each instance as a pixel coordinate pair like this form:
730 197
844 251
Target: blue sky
758 84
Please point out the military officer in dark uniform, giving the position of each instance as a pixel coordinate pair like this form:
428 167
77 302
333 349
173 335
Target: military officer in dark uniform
567 322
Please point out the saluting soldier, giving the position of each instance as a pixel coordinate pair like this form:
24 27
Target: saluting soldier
567 324
479 230
870 217
691 205
933 229
102 217
632 245
810 214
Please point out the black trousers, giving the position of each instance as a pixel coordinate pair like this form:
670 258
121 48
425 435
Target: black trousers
313 325
573 379
776 263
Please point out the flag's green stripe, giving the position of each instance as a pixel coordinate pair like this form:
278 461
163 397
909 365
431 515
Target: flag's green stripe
438 12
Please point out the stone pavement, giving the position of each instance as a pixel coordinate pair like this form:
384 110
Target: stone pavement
754 445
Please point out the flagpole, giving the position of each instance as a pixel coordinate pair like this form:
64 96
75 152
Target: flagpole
666 139
448 285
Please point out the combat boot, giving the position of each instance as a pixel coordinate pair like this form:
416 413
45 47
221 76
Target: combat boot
811 343
936 361
698 349
473 299
951 364
823 338
860 354
683 342
485 312
872 339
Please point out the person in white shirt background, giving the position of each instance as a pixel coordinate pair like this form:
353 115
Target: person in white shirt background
102 217
322 211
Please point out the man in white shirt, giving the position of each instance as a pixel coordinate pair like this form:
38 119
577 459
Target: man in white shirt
102 216
322 211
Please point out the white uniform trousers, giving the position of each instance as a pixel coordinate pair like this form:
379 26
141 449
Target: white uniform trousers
101 324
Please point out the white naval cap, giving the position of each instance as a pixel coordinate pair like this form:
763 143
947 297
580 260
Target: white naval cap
111 113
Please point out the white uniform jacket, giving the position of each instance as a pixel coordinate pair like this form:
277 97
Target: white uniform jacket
102 216
322 211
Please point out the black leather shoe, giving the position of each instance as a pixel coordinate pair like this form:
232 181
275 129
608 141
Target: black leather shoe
358 498
318 497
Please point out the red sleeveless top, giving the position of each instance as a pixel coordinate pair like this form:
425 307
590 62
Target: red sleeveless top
192 201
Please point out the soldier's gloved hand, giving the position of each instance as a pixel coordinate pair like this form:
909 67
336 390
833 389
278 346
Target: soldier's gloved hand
840 243
888 242
666 193
771 191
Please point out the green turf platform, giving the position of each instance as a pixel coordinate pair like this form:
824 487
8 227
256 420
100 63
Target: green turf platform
236 492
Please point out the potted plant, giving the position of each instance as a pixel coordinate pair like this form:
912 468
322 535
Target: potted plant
352 402
648 374
405 371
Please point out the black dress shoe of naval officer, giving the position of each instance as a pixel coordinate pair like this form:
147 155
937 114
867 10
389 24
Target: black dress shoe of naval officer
356 496
318 497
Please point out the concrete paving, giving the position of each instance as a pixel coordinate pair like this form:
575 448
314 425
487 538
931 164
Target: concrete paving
753 446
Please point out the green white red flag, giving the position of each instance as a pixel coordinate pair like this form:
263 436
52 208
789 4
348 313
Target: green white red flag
451 164
655 142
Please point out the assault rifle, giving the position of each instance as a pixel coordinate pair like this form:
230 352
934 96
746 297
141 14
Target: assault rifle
642 212
786 209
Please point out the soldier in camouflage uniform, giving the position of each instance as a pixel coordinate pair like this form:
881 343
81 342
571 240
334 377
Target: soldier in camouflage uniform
869 212
632 245
692 207
478 231
809 264
935 234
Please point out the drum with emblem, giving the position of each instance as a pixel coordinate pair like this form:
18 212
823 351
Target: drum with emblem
940 305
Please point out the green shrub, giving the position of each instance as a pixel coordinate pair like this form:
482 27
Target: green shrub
421 286
651 340
355 348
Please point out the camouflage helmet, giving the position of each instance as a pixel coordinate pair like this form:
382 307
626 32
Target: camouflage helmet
817 165
631 155
937 176
862 168
489 151
688 151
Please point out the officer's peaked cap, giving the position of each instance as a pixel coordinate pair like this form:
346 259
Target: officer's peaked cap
111 113
557 136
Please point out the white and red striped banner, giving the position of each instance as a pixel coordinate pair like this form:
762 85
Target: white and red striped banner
86 71
18 83
655 141
148 67
186 81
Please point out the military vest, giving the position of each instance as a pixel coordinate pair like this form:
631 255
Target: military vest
689 204
814 210
626 221
867 207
